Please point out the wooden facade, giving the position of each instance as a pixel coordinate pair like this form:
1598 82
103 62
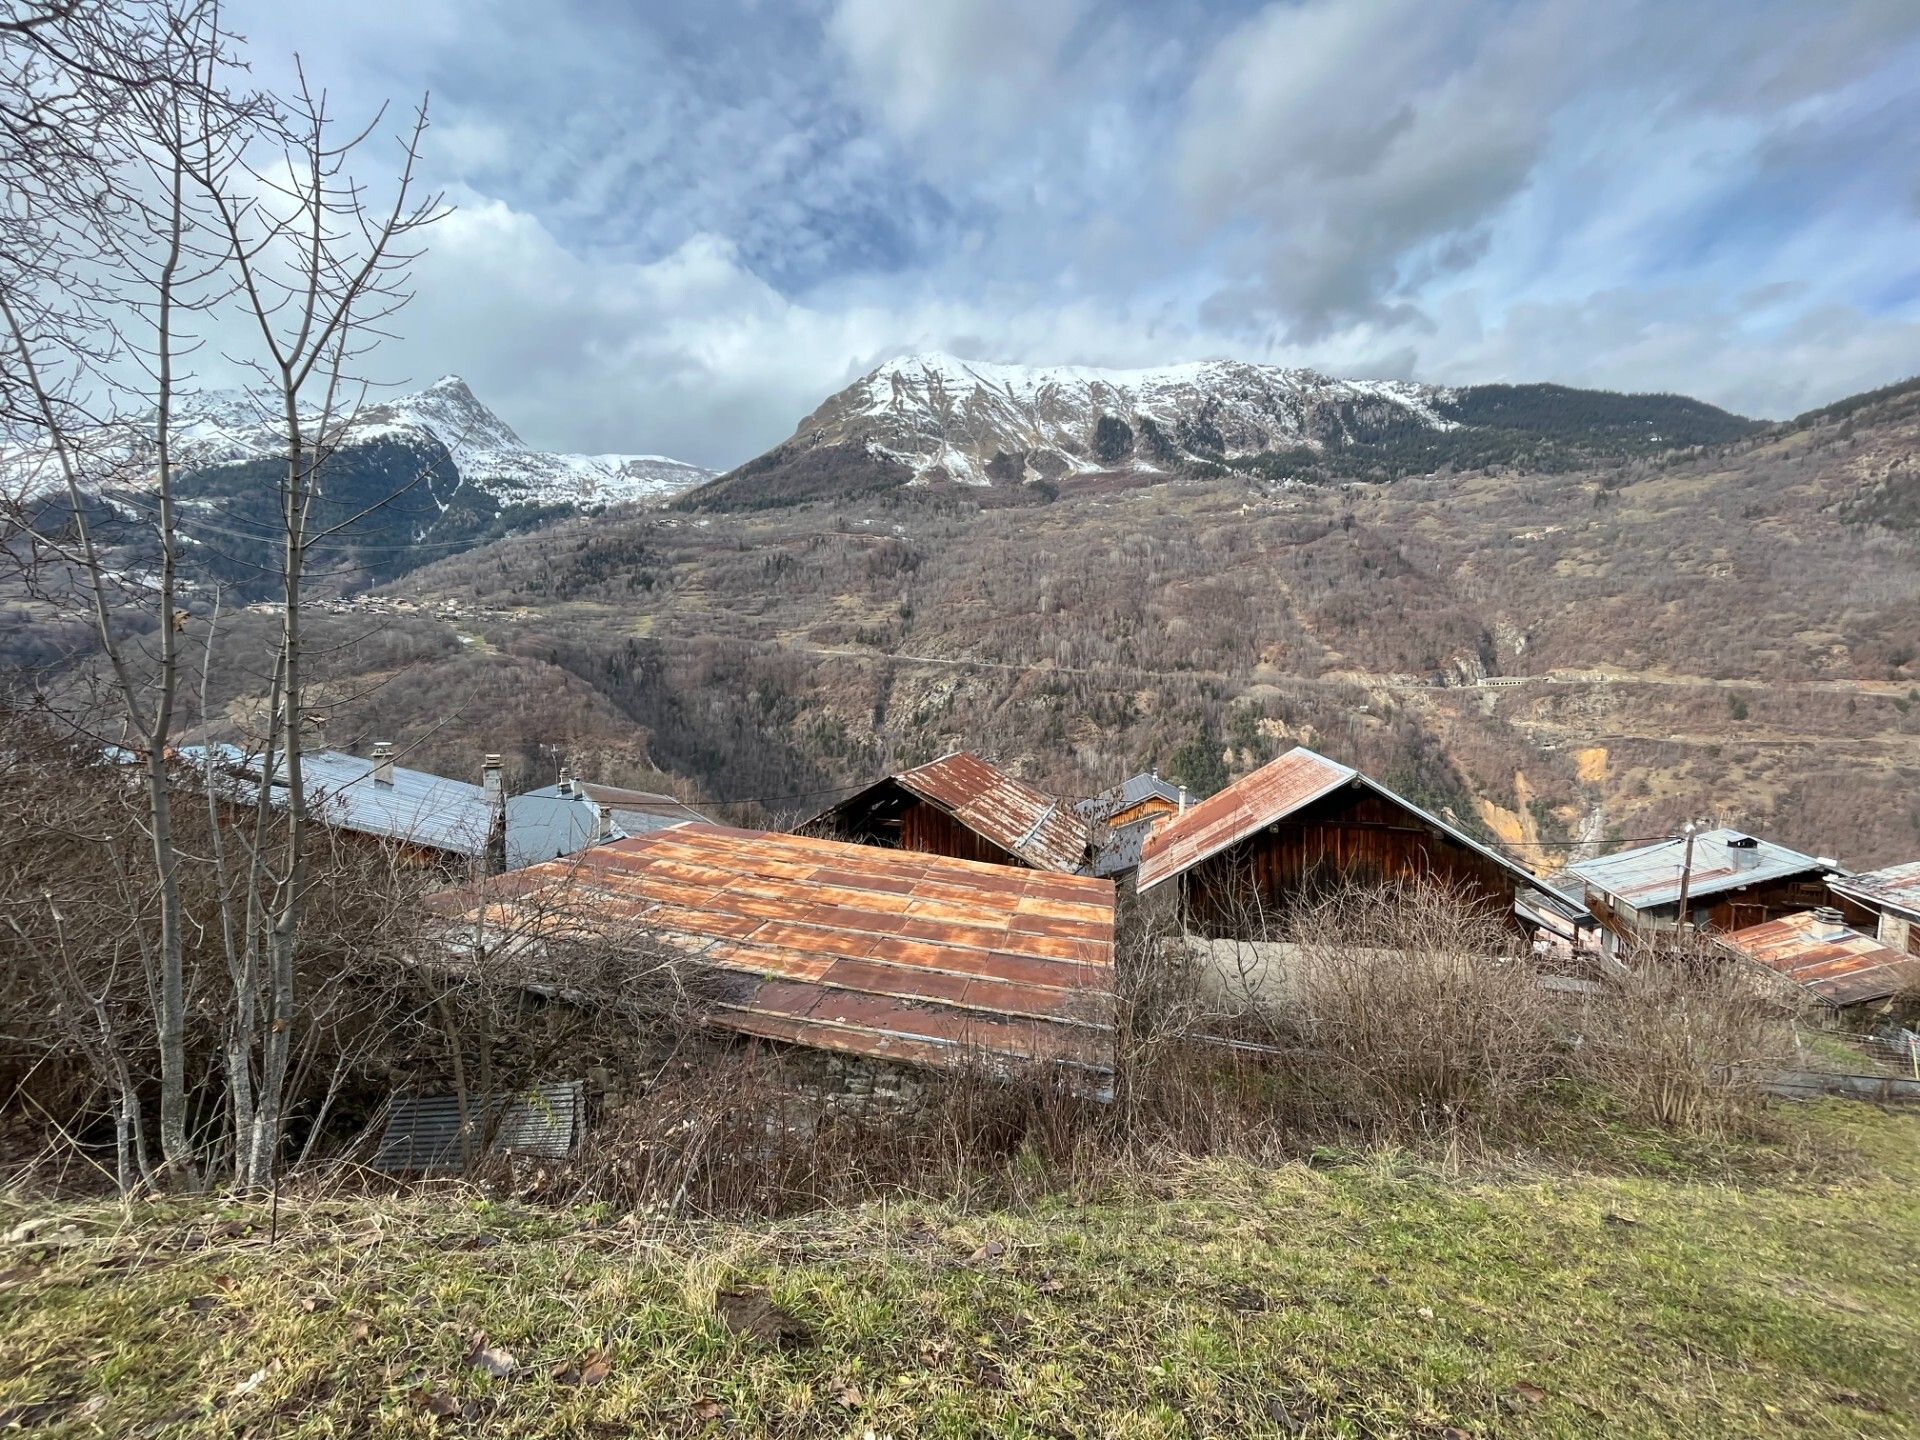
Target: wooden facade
1355 835
1155 808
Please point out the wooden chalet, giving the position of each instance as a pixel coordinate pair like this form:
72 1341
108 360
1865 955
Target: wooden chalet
964 807
1733 881
1303 824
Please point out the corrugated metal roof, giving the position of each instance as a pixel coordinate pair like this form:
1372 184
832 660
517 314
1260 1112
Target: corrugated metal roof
1822 955
1649 877
1897 887
1010 813
1273 792
1128 793
881 952
423 1131
418 807
1276 789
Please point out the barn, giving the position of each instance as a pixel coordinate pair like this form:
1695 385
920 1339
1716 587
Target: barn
966 808
1300 825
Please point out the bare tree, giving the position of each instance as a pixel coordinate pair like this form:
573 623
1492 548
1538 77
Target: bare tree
105 269
150 199
318 276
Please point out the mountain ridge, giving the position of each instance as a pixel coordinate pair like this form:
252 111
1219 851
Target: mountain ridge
934 418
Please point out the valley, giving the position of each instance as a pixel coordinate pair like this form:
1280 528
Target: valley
1558 659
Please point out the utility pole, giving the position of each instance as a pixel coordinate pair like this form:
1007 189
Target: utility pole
1686 875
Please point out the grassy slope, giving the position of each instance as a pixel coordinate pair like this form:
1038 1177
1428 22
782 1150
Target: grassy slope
1360 1299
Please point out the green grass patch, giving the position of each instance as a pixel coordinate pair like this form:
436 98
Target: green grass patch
1365 1297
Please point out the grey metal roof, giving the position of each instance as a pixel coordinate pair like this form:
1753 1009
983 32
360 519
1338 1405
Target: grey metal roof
1649 877
423 1131
1896 888
1118 849
417 807
544 824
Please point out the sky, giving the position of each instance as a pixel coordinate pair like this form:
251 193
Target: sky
678 227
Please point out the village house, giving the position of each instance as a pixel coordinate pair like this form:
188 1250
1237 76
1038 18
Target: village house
1299 825
1123 817
1732 881
430 820
1887 902
967 808
438 821
1817 954
570 815
863 951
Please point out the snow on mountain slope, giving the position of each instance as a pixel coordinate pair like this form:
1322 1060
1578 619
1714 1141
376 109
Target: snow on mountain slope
229 427
949 418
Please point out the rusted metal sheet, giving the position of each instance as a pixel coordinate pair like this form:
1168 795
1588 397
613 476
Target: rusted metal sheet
971 809
1895 888
882 952
1822 955
1283 788
1270 793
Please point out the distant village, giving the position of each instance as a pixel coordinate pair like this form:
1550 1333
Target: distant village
952 912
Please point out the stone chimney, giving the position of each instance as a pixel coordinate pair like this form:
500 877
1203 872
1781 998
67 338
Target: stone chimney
604 830
565 787
382 762
490 781
1183 799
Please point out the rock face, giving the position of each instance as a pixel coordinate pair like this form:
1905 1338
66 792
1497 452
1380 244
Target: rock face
931 419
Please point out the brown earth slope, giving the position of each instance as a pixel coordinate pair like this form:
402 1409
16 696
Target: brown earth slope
1732 634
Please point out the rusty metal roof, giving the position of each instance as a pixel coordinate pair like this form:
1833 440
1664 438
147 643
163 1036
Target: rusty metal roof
1649 877
1819 953
1043 831
1273 792
1895 888
888 953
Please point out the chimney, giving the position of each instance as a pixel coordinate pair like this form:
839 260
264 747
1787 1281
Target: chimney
490 781
1183 799
1743 852
313 731
565 787
604 831
382 762
1829 916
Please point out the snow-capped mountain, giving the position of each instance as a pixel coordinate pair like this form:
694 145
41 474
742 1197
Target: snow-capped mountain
935 419
975 423
227 427
405 482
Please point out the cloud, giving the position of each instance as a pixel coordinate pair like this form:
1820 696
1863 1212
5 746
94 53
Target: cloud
982 65
1367 153
684 224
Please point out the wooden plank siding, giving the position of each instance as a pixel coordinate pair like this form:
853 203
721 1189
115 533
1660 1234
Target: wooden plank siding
929 830
1352 836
